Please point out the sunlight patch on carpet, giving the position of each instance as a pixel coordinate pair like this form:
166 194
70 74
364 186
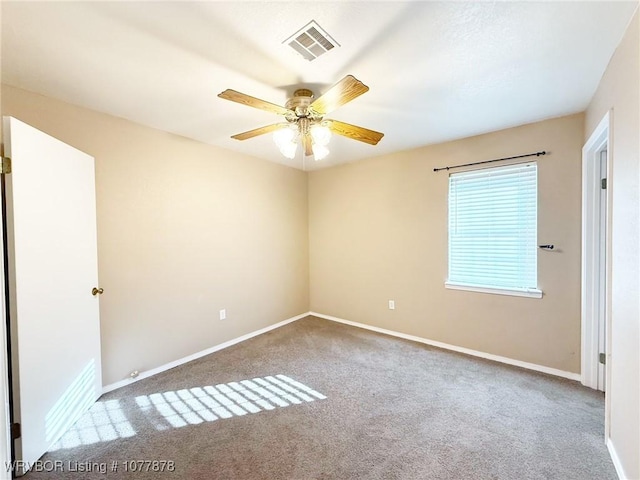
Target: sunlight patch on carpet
103 422
206 404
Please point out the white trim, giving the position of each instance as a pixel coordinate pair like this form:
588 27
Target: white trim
181 361
446 346
5 425
590 286
530 292
616 461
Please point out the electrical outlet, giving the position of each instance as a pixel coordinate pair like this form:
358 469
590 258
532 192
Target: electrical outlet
223 314
392 304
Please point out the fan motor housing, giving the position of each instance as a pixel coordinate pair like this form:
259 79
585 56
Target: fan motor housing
300 102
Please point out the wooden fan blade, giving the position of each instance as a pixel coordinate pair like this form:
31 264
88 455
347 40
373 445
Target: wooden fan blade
354 132
259 131
253 102
306 141
342 92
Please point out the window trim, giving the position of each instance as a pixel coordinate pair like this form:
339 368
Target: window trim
515 292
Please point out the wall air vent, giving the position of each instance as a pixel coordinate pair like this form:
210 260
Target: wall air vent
311 41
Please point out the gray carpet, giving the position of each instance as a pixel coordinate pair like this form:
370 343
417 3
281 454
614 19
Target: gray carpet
320 400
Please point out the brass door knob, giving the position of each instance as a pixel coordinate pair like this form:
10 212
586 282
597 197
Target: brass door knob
97 291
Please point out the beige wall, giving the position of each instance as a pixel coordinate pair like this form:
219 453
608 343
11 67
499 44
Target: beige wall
619 90
378 231
184 230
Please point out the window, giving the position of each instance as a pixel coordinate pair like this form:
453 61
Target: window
493 230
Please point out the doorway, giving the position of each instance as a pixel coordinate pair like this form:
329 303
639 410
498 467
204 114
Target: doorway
596 188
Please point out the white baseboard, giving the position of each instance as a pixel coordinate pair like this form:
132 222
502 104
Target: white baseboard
446 346
181 361
616 460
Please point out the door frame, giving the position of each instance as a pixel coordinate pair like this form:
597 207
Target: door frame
6 442
592 291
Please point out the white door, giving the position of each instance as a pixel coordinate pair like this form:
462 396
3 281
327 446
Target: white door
55 338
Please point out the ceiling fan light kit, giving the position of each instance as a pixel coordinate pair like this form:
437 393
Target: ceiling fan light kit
285 139
321 134
288 138
306 124
319 152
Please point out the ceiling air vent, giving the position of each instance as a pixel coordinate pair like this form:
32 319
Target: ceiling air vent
311 41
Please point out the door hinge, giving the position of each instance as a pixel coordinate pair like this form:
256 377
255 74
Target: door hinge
603 358
16 431
5 165
603 184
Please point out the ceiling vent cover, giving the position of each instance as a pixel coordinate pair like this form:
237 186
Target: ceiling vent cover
311 41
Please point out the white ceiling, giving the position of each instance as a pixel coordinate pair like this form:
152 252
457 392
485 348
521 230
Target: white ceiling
437 71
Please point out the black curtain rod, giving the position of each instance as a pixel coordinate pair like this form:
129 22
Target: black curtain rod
537 154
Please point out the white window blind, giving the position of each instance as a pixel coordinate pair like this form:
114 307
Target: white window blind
493 228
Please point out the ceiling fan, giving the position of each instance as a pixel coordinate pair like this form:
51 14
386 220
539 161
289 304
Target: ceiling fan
305 122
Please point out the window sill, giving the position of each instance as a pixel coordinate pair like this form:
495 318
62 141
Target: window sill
531 293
